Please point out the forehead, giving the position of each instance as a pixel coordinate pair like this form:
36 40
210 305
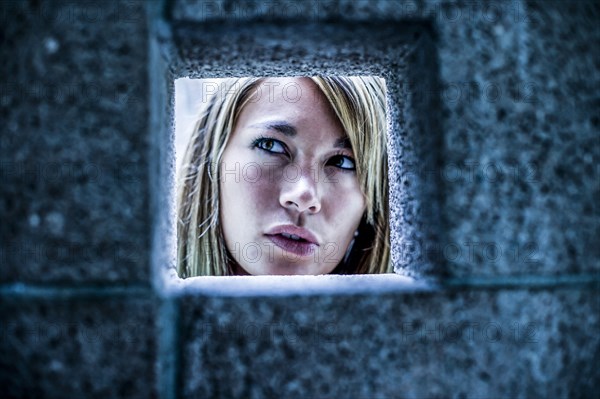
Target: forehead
298 101
291 89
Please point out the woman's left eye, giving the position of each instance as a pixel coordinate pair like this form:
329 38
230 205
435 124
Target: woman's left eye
270 145
342 162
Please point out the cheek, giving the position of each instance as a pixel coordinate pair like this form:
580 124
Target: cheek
344 209
248 185
345 200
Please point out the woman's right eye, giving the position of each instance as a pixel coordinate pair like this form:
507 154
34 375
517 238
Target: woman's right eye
270 145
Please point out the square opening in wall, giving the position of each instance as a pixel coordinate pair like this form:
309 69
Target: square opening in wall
282 176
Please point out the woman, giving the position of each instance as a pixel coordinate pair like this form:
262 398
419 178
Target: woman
286 176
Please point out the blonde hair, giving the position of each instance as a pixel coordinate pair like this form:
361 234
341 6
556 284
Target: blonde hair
360 105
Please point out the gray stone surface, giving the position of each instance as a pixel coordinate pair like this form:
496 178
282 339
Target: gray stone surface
475 87
77 347
506 343
563 131
326 10
528 133
73 142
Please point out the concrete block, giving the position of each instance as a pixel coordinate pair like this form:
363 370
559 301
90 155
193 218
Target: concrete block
74 142
520 187
78 347
505 343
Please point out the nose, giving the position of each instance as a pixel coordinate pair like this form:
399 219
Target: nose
300 194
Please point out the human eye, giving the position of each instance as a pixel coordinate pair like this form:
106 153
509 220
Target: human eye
342 161
270 145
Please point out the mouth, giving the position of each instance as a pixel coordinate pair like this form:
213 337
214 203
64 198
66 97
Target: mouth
293 244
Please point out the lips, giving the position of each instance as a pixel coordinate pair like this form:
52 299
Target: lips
294 239
299 248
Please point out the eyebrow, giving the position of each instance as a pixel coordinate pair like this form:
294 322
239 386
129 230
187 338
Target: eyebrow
289 130
279 126
343 142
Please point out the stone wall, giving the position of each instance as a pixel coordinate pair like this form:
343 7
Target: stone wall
495 179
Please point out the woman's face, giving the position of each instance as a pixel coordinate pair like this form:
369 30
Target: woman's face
290 197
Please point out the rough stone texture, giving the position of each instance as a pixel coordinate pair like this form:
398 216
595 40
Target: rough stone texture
77 347
561 132
433 344
530 206
513 75
74 112
475 87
